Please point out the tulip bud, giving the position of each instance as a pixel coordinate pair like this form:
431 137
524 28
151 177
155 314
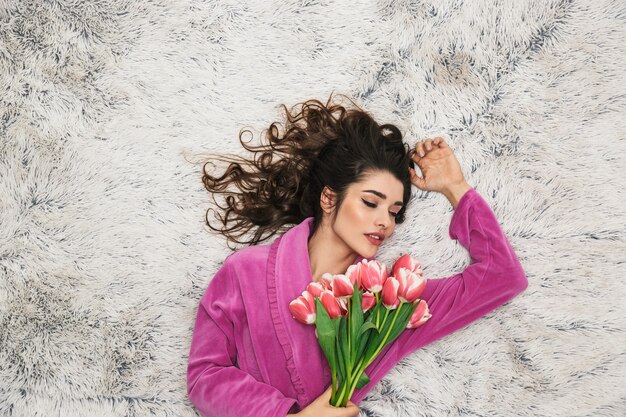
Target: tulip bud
343 304
368 301
406 261
390 293
342 286
370 275
353 274
330 304
411 285
327 281
303 308
420 315
315 288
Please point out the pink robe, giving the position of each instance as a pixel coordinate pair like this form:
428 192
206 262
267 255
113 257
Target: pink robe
250 357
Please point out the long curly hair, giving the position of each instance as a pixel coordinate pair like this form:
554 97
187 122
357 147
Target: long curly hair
280 184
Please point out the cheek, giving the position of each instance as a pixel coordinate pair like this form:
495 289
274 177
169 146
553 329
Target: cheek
351 219
355 212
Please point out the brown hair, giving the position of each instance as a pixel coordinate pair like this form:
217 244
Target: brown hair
280 184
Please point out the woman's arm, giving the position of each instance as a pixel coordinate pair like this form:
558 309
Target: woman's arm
214 384
494 276
455 192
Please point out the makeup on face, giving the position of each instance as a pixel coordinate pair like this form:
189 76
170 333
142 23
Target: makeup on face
367 215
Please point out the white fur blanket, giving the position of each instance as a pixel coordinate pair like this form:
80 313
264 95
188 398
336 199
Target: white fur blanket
103 249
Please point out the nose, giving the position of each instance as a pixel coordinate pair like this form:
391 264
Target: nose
382 222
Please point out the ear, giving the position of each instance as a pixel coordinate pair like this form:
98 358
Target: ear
327 200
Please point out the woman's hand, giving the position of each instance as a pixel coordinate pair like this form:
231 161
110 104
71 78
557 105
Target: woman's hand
440 169
321 407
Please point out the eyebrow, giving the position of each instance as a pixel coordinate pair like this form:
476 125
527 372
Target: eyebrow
383 196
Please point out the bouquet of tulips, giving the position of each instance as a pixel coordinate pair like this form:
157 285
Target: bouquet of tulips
358 313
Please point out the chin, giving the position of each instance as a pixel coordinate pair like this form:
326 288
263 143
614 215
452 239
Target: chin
369 253
365 250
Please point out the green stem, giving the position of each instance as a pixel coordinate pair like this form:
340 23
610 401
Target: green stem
384 319
349 304
333 383
363 358
376 310
363 363
339 400
356 380
382 345
362 367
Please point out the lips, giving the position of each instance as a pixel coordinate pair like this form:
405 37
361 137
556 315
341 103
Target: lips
373 240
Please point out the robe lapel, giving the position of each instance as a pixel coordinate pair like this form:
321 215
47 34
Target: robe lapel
289 273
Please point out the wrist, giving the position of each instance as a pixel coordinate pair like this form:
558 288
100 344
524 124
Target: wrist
455 192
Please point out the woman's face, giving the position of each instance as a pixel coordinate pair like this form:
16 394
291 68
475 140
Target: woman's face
366 216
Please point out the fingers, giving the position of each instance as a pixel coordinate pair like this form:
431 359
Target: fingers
417 180
439 141
352 409
428 145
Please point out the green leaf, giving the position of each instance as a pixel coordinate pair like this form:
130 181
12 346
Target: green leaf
401 321
341 372
366 326
326 333
342 346
377 338
372 344
363 380
356 321
371 318
365 335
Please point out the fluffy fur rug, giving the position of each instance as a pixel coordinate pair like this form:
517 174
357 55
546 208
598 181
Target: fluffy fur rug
103 249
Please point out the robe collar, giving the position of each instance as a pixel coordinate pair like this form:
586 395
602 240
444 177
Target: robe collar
289 273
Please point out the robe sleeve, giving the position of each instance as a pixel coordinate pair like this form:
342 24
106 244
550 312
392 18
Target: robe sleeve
215 385
493 277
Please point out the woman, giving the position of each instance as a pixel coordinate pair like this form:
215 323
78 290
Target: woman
344 182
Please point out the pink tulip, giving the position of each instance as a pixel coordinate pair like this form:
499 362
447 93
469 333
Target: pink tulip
315 289
370 275
327 281
390 293
342 287
405 261
420 315
330 304
353 274
368 300
303 308
343 304
411 285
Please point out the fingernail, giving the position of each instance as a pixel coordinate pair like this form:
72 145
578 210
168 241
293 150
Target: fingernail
421 153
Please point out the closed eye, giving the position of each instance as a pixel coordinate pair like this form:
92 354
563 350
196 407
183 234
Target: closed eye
372 205
368 204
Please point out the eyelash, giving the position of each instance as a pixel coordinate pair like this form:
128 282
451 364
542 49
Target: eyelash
372 205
